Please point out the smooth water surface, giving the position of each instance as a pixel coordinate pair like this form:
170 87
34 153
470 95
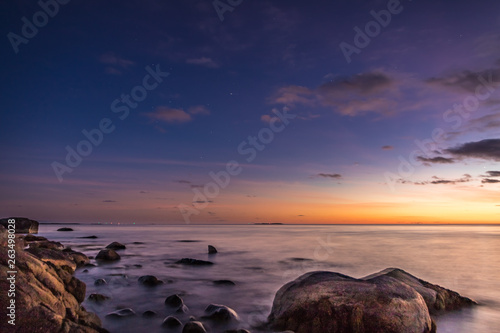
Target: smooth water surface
261 258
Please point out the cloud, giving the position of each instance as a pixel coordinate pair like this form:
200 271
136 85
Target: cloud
169 115
330 175
387 147
371 92
467 81
108 201
203 61
199 109
488 149
439 181
115 63
436 160
490 181
493 173
182 181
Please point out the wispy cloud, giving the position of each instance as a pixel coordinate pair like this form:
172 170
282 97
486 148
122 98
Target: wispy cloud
169 115
387 147
199 109
203 61
436 160
330 175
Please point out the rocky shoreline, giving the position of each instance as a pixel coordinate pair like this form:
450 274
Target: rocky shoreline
49 298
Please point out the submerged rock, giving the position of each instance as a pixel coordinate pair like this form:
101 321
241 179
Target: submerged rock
116 246
193 262
174 301
391 301
220 313
98 298
194 327
89 237
171 322
224 283
22 225
122 313
107 255
149 280
149 314
65 229
100 282
212 249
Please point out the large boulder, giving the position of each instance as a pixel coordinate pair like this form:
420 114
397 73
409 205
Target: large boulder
390 301
22 225
107 255
327 302
47 298
437 298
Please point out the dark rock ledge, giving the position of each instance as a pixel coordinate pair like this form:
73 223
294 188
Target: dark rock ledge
48 296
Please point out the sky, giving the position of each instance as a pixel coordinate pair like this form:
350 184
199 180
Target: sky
238 111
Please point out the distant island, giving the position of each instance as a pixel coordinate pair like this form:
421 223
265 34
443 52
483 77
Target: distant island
267 223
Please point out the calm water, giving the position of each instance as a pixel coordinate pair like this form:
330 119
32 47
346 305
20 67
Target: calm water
260 259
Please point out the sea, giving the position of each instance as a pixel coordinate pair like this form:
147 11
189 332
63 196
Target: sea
260 259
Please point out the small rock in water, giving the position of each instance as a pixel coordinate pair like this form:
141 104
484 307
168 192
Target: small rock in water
182 309
149 280
100 282
171 322
174 301
89 237
116 246
64 229
97 298
149 314
194 262
212 249
220 313
224 283
107 255
194 327
122 313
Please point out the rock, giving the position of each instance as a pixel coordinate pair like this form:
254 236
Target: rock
64 229
89 237
149 280
33 238
174 301
437 298
182 309
46 244
193 262
239 331
171 322
122 313
193 327
98 298
149 314
100 282
56 257
22 225
48 296
220 313
390 301
107 255
224 283
116 246
212 249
